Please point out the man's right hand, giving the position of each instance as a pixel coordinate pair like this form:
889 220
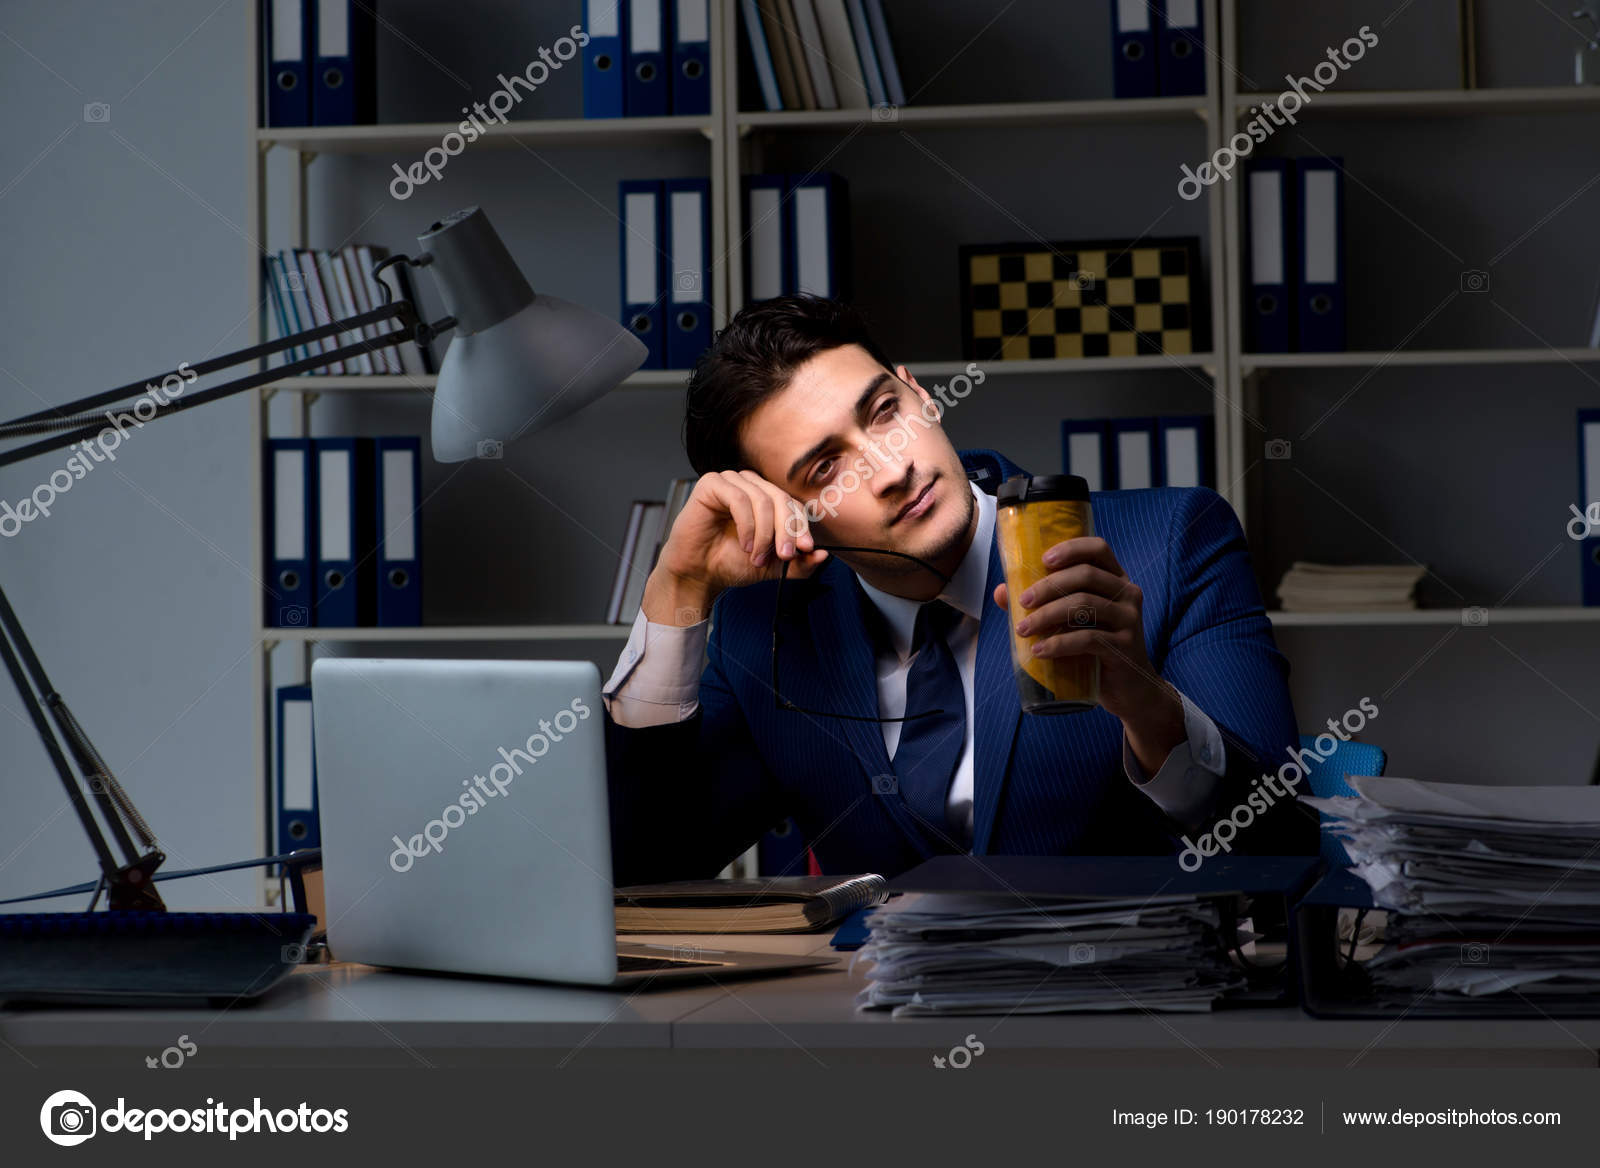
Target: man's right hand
736 528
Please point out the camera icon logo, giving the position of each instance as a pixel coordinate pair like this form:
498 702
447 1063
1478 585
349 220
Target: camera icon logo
886 113
686 952
1474 617
1080 954
1082 281
885 784
67 1118
1474 955
491 448
292 954
687 281
294 616
1278 448
1083 616
292 281
1474 280
97 111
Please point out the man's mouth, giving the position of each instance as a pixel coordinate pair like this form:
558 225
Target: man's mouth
917 506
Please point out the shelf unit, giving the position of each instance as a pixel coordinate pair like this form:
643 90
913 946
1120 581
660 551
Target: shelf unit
737 140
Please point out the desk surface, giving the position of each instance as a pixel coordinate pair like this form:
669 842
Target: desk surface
356 1015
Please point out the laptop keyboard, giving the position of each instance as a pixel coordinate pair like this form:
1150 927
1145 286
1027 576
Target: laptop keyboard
631 963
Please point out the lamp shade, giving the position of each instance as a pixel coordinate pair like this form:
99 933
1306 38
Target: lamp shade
518 360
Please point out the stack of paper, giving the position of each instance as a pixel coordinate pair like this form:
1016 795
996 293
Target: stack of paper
981 953
1494 891
1307 587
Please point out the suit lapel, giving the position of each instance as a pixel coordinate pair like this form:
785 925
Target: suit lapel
850 687
997 710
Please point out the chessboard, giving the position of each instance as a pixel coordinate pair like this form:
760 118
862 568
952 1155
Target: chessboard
1106 298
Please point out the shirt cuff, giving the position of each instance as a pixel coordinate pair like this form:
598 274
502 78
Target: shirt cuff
657 678
1185 787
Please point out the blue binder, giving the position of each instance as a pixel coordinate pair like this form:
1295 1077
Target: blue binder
604 21
286 37
1187 449
768 242
781 851
645 38
276 292
1133 443
344 51
1589 500
289 528
761 54
1133 49
1181 67
688 236
1269 310
817 232
297 771
397 506
1319 202
643 217
691 57
1086 451
343 564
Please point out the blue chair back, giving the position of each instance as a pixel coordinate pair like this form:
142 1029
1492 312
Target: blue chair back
1327 781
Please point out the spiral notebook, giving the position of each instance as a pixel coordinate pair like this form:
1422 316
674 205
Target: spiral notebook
777 904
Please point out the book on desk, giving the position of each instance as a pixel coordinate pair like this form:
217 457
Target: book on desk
774 904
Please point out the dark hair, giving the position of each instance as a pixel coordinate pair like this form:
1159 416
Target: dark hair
753 358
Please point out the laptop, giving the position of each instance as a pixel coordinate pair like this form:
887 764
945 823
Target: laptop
466 829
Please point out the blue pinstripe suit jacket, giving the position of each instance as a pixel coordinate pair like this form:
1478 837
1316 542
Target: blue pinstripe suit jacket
688 797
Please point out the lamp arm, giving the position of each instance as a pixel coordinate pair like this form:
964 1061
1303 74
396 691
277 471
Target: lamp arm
130 883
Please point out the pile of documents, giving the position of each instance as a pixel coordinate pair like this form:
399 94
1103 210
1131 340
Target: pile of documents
981 953
1308 587
1493 892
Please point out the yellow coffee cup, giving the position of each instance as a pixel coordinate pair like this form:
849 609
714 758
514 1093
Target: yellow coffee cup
1032 515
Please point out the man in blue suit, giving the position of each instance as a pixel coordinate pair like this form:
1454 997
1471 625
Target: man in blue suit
872 700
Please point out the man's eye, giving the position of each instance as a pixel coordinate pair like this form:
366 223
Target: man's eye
885 410
822 469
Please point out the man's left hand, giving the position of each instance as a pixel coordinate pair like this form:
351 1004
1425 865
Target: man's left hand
1088 605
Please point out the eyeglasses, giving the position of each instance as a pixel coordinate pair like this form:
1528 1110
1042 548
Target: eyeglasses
784 703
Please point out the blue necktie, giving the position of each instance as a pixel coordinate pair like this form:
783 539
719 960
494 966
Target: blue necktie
929 748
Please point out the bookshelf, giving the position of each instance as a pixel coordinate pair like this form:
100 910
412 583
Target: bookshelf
1012 143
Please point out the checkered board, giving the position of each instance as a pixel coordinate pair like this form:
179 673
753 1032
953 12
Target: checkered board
1106 298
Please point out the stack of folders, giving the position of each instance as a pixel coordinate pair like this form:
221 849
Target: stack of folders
319 61
342 532
981 953
1308 587
1128 454
1157 50
666 267
646 58
775 904
308 288
822 54
649 521
1296 290
797 235
1492 894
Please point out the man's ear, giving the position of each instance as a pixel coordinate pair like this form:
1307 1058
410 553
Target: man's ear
904 375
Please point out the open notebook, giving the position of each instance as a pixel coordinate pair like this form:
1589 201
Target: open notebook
774 904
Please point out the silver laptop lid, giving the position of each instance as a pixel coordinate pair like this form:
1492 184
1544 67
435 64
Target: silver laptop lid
464 816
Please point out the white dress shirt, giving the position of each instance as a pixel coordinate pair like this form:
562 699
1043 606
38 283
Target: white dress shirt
657 680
